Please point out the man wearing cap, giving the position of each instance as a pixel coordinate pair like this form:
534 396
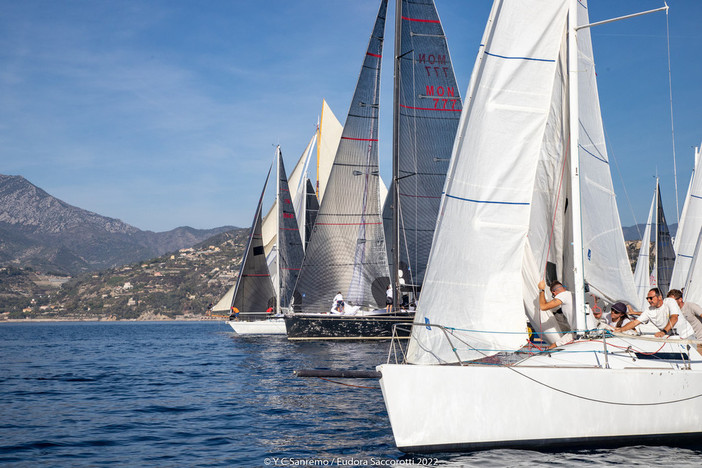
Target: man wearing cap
664 314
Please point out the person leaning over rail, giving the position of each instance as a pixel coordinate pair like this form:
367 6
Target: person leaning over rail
664 314
691 311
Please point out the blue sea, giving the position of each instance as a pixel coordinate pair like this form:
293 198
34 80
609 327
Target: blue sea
195 394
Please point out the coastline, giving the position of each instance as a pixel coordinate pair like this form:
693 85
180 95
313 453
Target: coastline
97 319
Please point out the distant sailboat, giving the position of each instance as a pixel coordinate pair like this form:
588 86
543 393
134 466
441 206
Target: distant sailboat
660 275
248 300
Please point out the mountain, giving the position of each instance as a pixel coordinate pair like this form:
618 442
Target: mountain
40 231
180 284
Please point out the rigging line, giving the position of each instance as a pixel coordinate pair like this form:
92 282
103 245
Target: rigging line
672 126
621 179
582 397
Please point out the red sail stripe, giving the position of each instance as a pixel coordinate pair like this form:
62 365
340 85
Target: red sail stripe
374 55
421 20
429 108
346 224
359 139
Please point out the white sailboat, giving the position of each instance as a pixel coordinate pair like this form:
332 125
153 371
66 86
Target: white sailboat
532 113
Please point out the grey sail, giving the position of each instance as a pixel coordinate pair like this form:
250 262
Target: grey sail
427 114
665 255
254 290
311 210
347 248
290 252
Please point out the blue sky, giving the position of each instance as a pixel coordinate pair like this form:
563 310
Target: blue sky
166 113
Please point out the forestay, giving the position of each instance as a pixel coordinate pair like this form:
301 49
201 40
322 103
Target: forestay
474 276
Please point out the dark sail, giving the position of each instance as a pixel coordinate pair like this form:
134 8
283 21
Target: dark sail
290 251
428 111
254 289
311 209
665 255
347 248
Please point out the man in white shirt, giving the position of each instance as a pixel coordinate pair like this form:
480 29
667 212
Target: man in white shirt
664 314
691 311
561 298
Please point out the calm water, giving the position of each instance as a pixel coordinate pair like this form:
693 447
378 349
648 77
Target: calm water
195 394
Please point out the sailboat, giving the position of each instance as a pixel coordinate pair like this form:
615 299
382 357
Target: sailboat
258 302
506 213
348 252
661 274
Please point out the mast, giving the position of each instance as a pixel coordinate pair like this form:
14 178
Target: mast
574 123
394 276
655 236
277 230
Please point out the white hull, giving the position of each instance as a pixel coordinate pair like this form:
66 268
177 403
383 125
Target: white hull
535 404
273 326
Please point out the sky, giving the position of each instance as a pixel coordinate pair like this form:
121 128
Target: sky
166 113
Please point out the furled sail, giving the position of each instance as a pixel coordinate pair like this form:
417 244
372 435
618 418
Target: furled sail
428 113
642 273
290 250
254 289
473 281
347 250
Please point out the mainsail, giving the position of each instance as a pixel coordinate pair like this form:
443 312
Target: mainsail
347 250
508 212
254 289
290 250
311 210
477 285
665 256
428 110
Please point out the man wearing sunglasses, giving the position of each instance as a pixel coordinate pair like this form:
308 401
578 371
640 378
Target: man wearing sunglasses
664 314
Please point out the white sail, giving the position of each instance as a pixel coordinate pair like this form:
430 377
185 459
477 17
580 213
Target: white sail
683 213
642 274
225 304
606 265
330 130
688 231
473 281
693 283
298 184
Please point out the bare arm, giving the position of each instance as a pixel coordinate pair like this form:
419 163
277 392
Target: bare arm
628 326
